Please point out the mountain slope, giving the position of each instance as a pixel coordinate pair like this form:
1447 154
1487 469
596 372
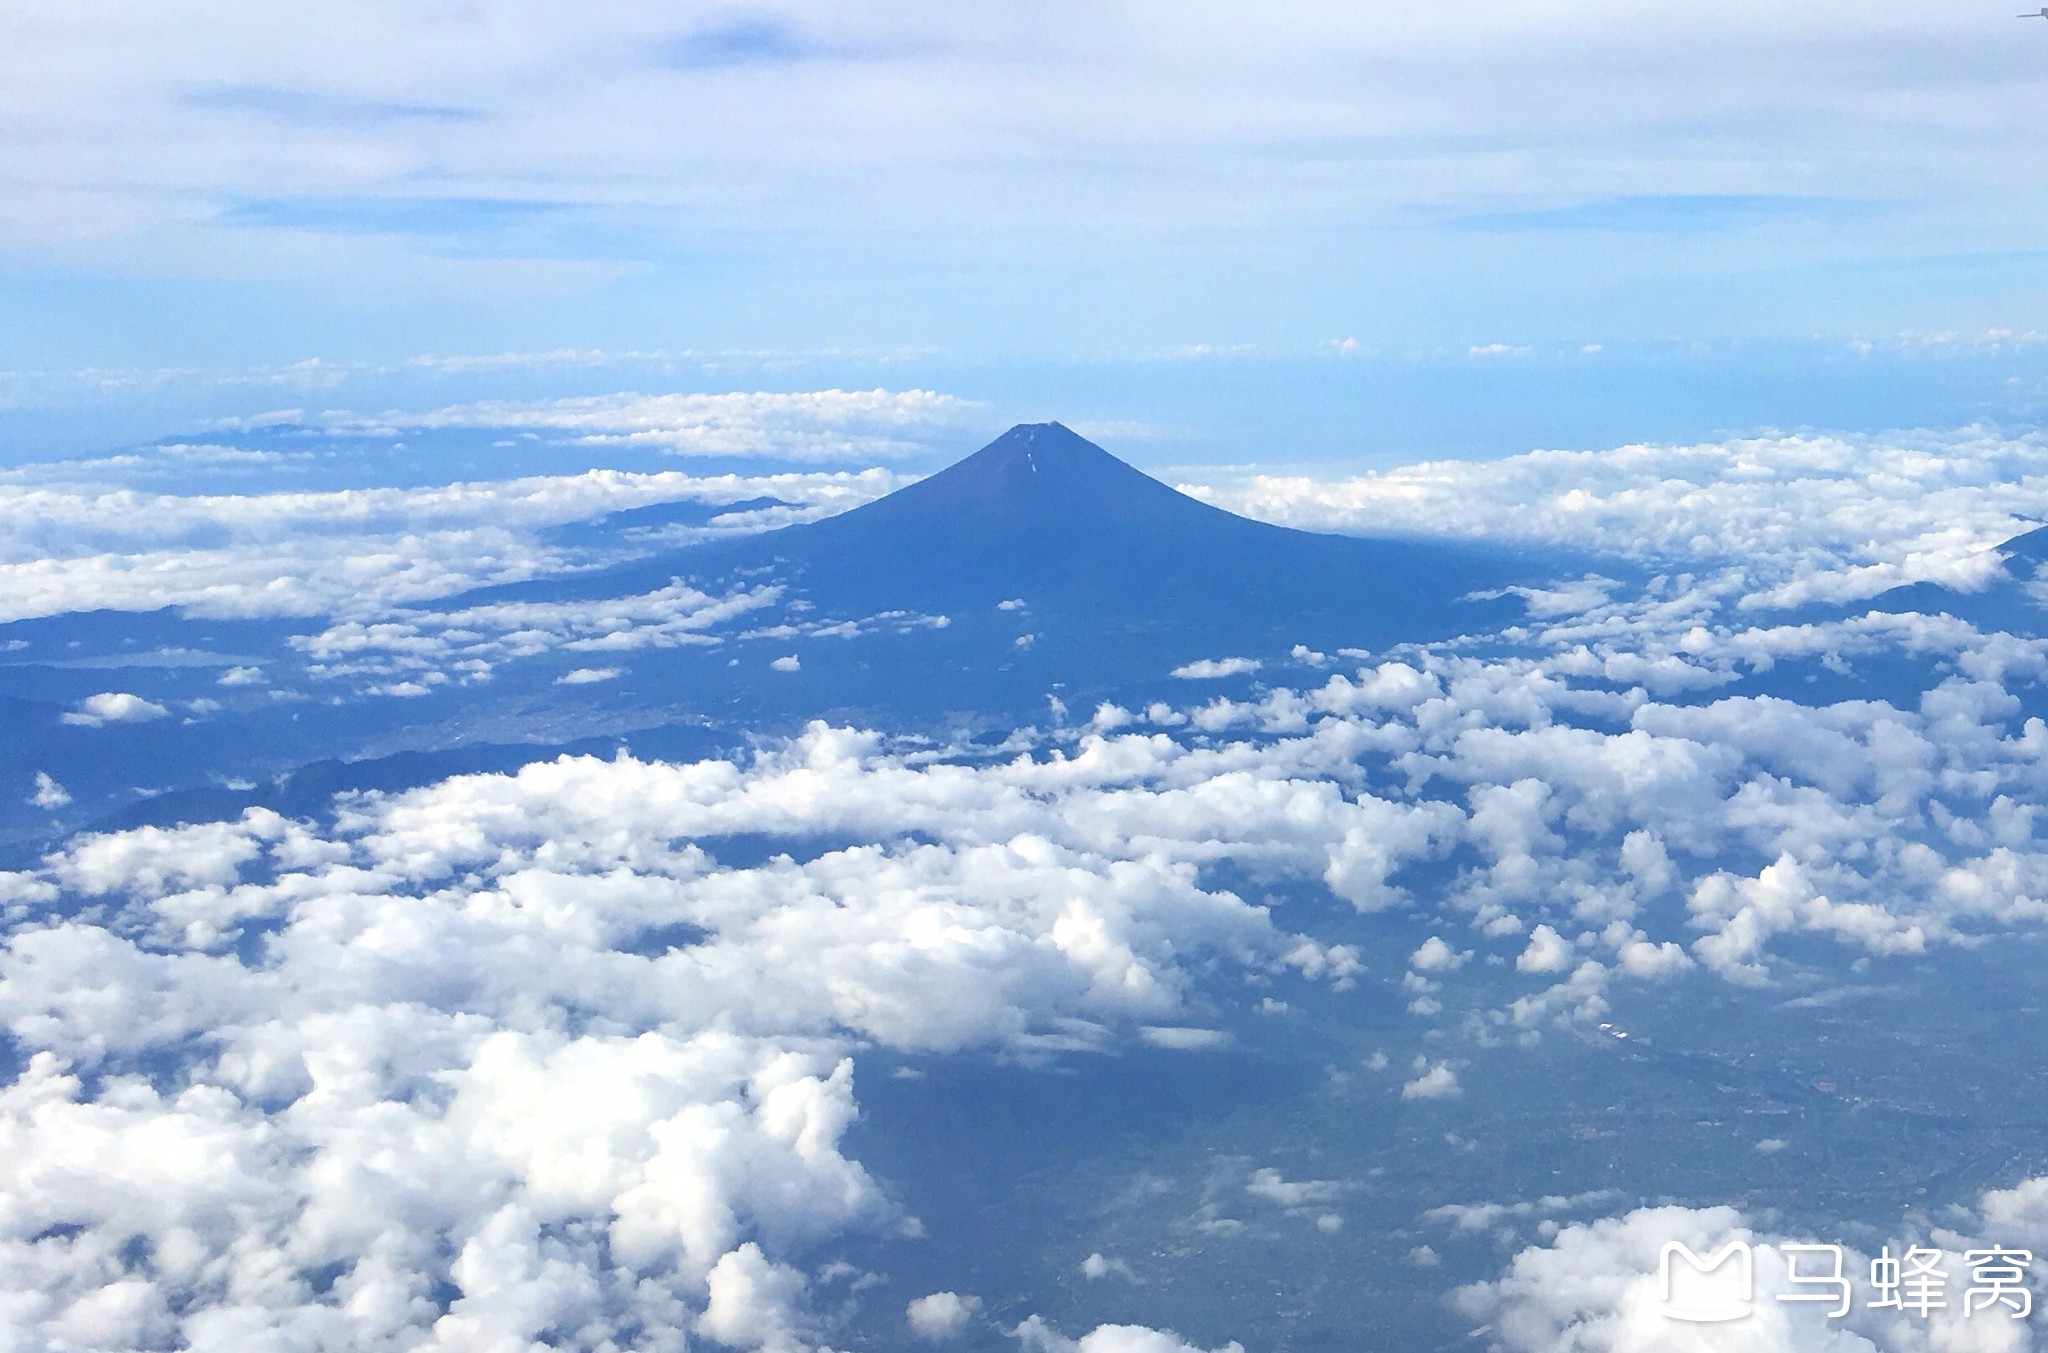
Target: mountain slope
2007 601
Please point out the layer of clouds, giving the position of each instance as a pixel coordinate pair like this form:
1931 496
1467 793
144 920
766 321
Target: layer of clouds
1807 518
81 536
482 636
427 964
369 1013
412 650
826 425
1574 808
354 552
1597 1286
524 1040
55 517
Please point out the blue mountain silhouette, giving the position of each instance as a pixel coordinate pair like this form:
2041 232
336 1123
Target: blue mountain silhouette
1119 574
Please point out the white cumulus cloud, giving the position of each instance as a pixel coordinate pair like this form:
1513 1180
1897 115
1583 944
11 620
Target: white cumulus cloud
114 707
1434 1080
1209 668
942 1316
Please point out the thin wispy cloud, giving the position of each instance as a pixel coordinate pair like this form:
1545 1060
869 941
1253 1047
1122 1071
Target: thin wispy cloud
1678 121
321 108
737 42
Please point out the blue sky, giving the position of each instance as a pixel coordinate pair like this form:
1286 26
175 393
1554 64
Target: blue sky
1755 217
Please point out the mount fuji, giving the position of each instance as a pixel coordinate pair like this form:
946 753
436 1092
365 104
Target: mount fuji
1115 576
